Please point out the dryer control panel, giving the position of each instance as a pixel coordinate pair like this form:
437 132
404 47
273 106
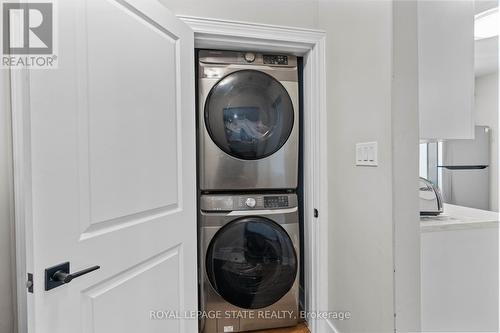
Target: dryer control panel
221 202
215 59
275 59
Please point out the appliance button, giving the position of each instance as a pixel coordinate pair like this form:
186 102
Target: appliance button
250 57
250 202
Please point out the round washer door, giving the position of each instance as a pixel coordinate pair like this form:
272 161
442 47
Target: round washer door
249 114
251 262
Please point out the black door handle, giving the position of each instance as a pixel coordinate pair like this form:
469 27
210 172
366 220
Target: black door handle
58 275
66 278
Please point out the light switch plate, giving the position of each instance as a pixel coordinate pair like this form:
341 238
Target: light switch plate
367 154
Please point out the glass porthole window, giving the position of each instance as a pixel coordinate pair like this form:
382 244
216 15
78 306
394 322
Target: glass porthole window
249 114
251 262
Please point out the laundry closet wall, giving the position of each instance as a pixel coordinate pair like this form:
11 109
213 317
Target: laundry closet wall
372 91
359 53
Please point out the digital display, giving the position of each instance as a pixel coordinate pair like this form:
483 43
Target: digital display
276 201
275 59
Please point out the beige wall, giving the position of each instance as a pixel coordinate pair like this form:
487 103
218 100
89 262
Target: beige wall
486 108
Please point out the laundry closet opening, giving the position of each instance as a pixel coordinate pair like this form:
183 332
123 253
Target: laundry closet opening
250 189
305 201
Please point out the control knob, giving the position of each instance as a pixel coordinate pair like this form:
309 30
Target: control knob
250 202
250 57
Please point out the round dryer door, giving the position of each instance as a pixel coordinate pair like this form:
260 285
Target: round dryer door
251 262
249 114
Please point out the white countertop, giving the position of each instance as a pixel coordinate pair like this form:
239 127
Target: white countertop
459 217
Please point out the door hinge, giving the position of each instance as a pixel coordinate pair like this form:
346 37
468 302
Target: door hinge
29 283
316 213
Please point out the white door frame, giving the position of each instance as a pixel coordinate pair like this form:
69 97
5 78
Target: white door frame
310 44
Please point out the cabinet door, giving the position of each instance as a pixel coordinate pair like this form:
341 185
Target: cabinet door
446 69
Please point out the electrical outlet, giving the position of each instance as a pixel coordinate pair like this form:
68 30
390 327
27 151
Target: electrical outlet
367 154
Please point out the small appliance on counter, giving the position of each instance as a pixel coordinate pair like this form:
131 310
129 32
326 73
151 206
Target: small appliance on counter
431 201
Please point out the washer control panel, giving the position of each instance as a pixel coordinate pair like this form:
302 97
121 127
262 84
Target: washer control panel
221 202
248 202
280 201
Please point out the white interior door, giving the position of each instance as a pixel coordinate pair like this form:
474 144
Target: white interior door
108 170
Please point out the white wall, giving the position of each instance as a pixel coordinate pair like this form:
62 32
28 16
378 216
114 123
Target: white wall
405 163
486 108
359 53
7 270
298 13
446 69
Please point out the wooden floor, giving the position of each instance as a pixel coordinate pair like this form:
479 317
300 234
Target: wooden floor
301 328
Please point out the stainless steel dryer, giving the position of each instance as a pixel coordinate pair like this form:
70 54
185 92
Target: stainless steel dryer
248 120
249 262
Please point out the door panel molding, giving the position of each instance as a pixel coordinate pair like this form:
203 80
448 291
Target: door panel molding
103 286
151 215
93 220
149 271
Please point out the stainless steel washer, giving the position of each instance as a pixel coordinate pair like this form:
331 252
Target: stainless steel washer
248 120
249 262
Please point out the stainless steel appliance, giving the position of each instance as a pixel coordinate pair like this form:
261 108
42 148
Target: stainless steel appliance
464 165
248 120
430 199
249 261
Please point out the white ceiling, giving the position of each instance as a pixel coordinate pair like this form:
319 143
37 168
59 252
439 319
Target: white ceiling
486 50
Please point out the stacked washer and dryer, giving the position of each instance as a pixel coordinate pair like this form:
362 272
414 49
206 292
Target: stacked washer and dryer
248 153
